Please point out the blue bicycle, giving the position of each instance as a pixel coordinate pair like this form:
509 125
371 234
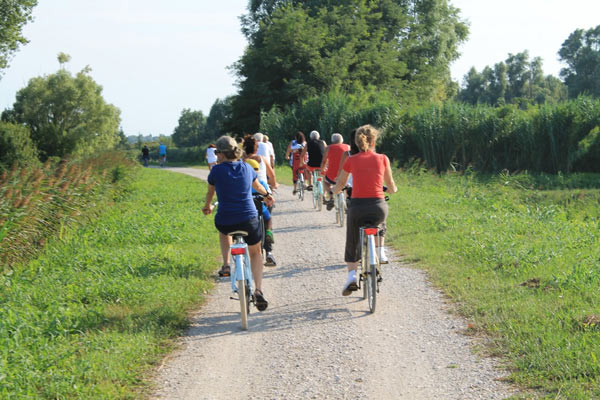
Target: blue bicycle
317 189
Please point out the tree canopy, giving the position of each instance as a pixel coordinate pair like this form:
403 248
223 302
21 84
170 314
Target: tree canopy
66 114
191 129
301 48
581 53
516 80
14 14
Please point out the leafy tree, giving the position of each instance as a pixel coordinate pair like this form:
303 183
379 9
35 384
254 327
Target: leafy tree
66 114
16 145
218 118
14 14
298 49
190 130
581 53
515 81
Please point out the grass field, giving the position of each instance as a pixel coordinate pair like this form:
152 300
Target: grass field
90 316
521 256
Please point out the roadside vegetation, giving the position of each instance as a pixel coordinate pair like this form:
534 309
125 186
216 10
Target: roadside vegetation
90 316
521 257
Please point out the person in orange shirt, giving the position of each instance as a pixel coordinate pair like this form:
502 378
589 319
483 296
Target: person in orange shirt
331 164
369 171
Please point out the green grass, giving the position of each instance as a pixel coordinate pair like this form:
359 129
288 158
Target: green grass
522 263
283 173
89 317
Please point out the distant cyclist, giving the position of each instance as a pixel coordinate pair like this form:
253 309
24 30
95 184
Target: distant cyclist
162 154
232 181
369 170
293 154
331 163
145 155
211 157
314 151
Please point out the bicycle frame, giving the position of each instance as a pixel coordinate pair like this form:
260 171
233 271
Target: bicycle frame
243 271
317 190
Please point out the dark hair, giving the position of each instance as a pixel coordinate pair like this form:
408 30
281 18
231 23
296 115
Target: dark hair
250 145
211 146
353 147
300 137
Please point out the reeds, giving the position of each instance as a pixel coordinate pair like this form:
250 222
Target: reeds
36 202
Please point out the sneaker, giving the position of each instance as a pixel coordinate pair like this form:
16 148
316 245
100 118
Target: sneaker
309 188
382 256
225 270
349 288
294 192
330 205
259 301
270 260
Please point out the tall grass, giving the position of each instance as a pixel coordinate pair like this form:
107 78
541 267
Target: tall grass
521 256
40 202
90 316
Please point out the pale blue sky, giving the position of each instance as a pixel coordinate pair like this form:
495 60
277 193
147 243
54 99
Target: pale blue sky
154 58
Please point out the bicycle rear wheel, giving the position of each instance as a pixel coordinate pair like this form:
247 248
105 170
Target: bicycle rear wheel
301 187
371 274
242 290
364 262
320 197
340 209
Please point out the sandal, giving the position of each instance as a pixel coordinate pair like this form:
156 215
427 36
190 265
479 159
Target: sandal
225 270
259 301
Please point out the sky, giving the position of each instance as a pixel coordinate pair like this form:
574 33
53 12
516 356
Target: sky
154 58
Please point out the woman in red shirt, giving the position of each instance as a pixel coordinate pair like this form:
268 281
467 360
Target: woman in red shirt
369 172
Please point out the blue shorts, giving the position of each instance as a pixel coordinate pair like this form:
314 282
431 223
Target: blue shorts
265 212
252 226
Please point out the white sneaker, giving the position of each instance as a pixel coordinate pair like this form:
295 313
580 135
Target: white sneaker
382 256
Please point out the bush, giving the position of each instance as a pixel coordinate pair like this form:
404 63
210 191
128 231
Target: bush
16 146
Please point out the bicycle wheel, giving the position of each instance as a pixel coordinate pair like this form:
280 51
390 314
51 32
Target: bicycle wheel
363 267
371 278
315 196
301 187
263 230
320 197
241 290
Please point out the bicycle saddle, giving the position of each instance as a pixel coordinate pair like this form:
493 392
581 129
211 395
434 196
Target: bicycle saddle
238 233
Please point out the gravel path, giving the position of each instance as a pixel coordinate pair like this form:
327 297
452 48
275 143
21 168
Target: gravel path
312 343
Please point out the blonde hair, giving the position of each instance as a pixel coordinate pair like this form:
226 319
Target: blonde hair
366 137
228 146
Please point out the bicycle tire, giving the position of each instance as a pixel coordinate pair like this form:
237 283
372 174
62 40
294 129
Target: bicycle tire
340 209
363 267
314 196
320 198
263 230
301 188
241 284
371 281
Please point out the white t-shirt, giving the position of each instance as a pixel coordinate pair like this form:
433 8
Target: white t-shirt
211 157
271 149
265 150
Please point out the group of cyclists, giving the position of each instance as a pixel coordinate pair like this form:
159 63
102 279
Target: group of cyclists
240 170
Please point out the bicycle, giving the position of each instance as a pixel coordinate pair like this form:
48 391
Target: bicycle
241 277
258 199
340 208
370 265
300 184
317 190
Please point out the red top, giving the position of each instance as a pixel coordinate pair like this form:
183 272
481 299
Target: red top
367 170
334 155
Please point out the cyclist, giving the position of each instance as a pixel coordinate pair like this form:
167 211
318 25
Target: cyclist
162 154
314 151
331 161
264 149
232 180
369 170
271 149
268 245
293 153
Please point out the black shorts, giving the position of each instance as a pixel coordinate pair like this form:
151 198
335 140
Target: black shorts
252 226
329 180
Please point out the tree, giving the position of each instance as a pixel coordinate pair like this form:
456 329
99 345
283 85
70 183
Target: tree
14 14
66 114
191 129
16 145
298 49
581 53
218 118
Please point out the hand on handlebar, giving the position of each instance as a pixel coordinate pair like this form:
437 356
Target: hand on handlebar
207 209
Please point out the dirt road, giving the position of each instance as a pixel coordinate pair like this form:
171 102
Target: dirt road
312 343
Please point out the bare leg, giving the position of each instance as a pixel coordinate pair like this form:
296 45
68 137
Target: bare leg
352 265
256 262
225 241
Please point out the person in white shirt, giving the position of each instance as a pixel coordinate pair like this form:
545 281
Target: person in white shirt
271 149
211 157
264 149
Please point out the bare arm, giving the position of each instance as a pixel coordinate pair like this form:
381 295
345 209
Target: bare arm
256 185
341 181
208 207
324 162
388 178
288 151
270 173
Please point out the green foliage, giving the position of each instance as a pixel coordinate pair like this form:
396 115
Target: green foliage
14 14
16 146
191 129
300 49
66 115
515 81
90 317
521 263
581 53
38 203
218 119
